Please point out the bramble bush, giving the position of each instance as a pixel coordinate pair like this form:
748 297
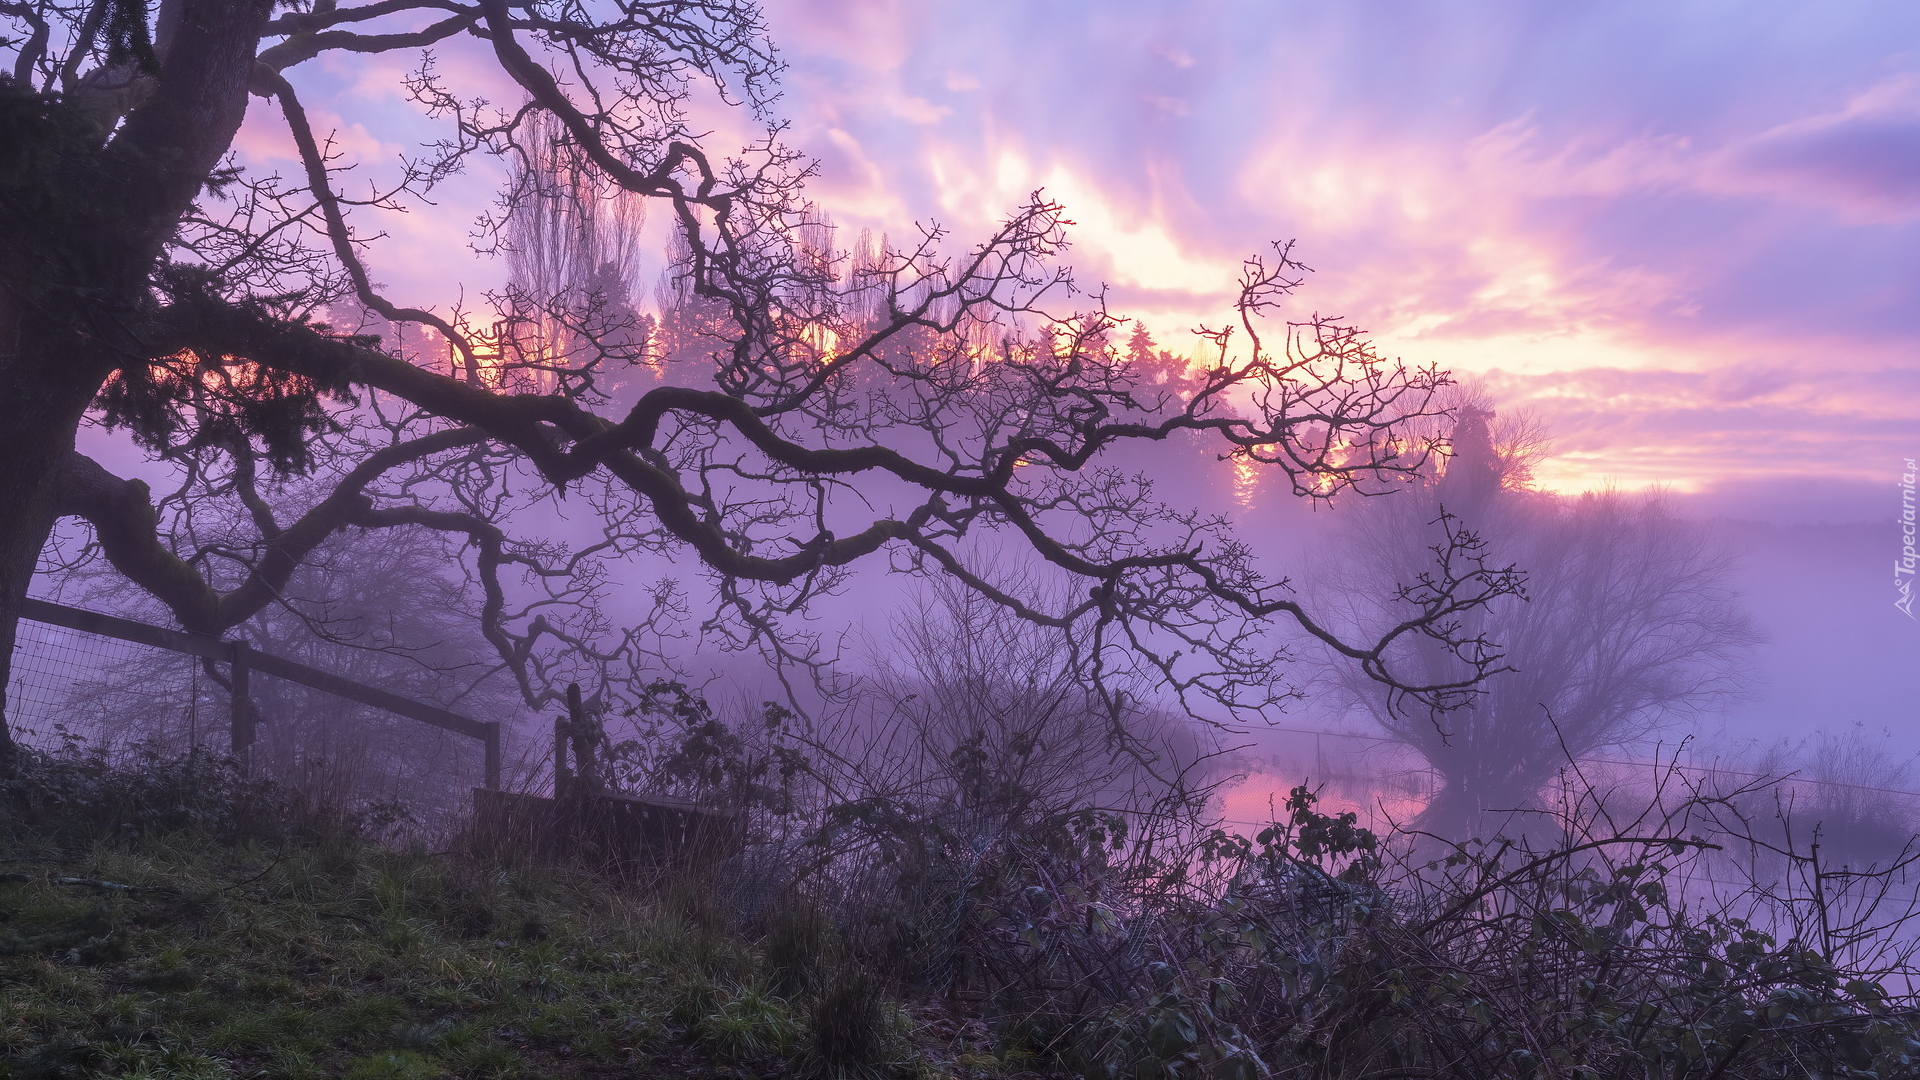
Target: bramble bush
1110 933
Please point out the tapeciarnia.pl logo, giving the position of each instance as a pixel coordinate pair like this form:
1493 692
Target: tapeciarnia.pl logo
1903 567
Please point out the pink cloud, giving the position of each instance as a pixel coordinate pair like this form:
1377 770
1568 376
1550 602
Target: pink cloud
1863 160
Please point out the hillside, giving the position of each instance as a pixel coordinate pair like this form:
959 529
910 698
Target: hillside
184 925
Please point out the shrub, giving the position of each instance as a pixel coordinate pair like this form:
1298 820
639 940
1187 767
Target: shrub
80 796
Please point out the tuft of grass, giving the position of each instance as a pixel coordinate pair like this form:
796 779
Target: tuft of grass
799 943
851 1029
749 1025
394 1065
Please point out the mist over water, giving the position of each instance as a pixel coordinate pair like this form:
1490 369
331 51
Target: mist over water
1812 566
872 614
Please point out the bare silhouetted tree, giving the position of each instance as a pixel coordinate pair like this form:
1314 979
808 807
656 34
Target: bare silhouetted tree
976 709
1628 620
572 243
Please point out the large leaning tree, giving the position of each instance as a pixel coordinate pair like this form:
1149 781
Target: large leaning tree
806 407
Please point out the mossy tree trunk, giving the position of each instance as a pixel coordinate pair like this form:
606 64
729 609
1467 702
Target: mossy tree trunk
94 182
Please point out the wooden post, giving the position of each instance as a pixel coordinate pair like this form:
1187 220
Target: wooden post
493 755
240 708
586 763
243 661
560 774
558 840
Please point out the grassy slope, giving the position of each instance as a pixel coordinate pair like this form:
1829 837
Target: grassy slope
336 957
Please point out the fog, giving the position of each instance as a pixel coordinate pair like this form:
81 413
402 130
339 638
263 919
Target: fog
1811 565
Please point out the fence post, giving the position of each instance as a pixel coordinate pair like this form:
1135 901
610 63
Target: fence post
493 755
584 731
242 712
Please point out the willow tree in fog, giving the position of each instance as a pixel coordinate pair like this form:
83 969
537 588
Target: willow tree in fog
1628 621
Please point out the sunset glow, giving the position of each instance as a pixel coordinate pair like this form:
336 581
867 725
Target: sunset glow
1662 251
1666 228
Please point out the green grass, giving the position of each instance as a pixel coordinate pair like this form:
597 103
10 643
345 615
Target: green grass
330 956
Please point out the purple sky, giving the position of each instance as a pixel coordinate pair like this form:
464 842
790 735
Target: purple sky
1683 232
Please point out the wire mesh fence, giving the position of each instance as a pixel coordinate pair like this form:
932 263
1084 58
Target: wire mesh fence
69 688
342 752
79 685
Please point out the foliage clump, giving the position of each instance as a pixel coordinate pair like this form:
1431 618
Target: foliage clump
1318 949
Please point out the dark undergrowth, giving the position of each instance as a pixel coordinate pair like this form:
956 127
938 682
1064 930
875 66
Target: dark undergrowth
169 919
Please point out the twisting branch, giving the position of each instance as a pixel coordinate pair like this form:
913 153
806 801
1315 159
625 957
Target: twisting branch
538 424
343 243
123 516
